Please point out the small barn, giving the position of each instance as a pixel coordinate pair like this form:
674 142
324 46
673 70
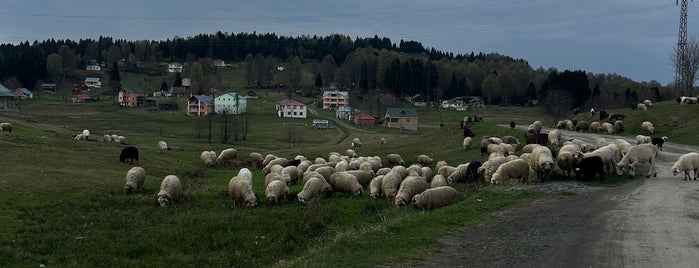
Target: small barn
23 93
364 119
403 118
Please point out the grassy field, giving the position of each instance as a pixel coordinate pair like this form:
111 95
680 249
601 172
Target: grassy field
63 203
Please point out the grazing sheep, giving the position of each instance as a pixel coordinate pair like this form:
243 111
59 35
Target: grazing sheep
277 161
648 103
459 174
512 140
292 172
541 162
512 124
486 170
584 146
642 139
601 142
638 154
641 107
623 147
554 137
344 182
518 169
390 184
245 174
276 191
256 159
107 138
468 141
610 154
596 126
647 127
363 177
351 153
383 171
268 158
134 180
240 190
659 142
409 187
120 139
226 156
129 154
618 126
529 148
85 135
424 160
326 172
535 126
170 190
566 158
315 187
395 159
607 128
162 147
208 158
435 198
6 127
502 148
269 178
375 187
583 126
587 167
446 171
382 141
440 164
115 138
437 181
356 143
685 163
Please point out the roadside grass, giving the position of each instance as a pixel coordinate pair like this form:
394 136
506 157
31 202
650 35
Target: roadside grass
63 203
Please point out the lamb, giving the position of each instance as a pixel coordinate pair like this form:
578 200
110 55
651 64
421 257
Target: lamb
435 198
314 188
395 159
375 187
638 154
382 141
390 184
345 183
162 147
276 191
134 180
256 159
541 161
129 154
641 139
489 167
468 141
607 128
659 142
437 181
647 127
566 158
356 143
587 167
648 103
618 126
514 169
240 190
107 138
409 187
226 156
535 126
170 190
6 127
685 163
424 159
208 158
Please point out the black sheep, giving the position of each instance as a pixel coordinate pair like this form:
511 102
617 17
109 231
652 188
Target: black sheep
129 154
294 162
512 124
468 132
658 142
587 167
472 171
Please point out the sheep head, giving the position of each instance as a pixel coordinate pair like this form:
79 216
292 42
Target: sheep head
163 201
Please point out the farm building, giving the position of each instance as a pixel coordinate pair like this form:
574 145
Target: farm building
419 100
252 94
49 88
230 103
23 93
320 123
93 82
93 67
403 118
335 99
345 112
174 67
132 97
5 96
291 108
364 119
198 105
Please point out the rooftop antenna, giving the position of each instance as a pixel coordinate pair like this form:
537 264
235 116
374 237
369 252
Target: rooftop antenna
681 83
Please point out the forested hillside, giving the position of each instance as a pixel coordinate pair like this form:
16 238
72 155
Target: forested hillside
367 67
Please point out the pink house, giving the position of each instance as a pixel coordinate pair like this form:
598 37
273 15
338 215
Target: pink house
198 105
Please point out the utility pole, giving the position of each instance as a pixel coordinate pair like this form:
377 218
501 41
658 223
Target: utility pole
681 83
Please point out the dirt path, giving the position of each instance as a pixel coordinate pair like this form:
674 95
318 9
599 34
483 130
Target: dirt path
645 223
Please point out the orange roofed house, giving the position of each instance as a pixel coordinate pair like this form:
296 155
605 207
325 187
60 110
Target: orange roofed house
291 108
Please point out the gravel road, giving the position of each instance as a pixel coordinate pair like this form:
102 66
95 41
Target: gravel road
647 222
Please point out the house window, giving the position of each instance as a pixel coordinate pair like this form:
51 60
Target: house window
301 113
288 113
294 113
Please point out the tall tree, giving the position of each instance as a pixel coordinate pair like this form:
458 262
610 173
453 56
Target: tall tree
196 76
689 65
250 77
319 81
492 89
327 69
294 75
54 67
178 80
70 59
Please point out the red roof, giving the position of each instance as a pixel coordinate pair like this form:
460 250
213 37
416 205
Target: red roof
290 102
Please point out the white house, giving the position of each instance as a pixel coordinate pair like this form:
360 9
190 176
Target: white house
93 67
93 82
230 103
174 67
291 108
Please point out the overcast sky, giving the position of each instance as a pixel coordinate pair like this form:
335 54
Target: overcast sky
633 38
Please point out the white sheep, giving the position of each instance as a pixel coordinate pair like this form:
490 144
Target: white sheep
6 127
566 158
390 184
170 190
134 180
375 187
438 180
535 126
642 139
596 126
584 146
446 171
162 147
344 182
268 158
623 146
488 168
641 107
292 172
647 127
326 172
541 161
120 139
208 158
383 171
256 159
502 148
356 143
315 187
395 159
440 164
86 134
115 138
685 163
648 103
351 153
515 169
468 141
226 156
619 126
409 187
554 137
273 177
240 190
277 161
79 137
245 174
276 191
529 147
382 141
610 155
435 198
607 128
638 154
459 174
424 160
107 138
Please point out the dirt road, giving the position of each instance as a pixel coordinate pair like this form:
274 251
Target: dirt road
648 222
